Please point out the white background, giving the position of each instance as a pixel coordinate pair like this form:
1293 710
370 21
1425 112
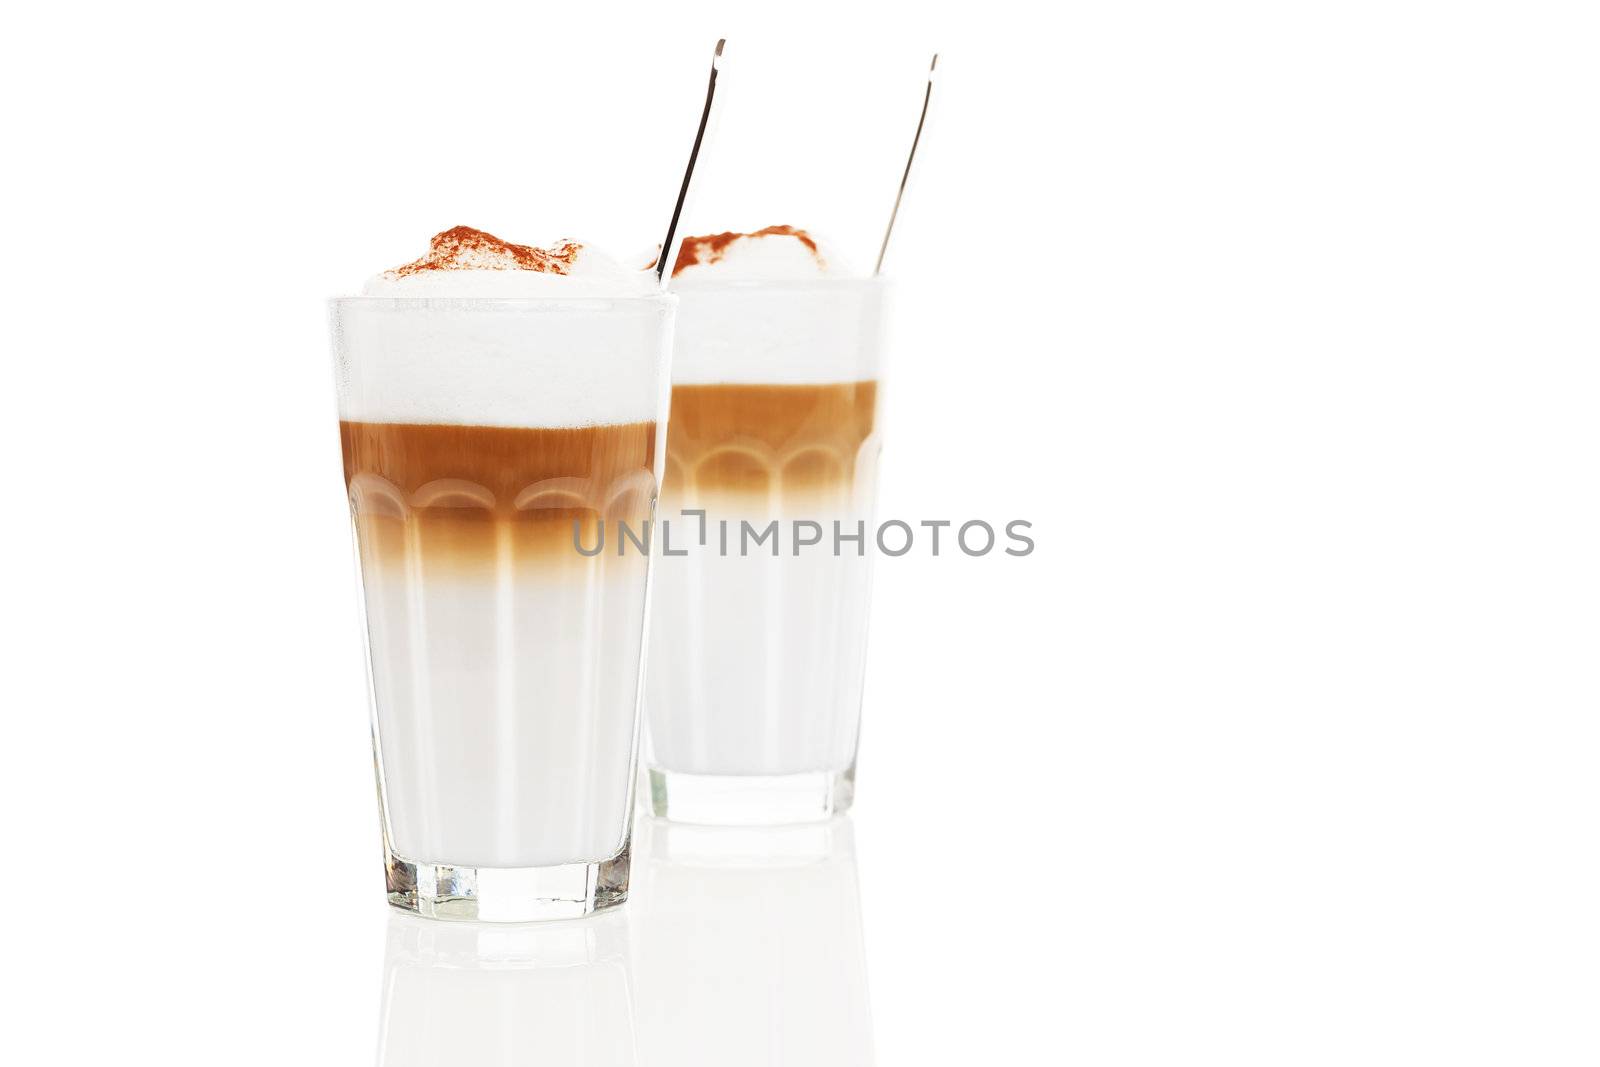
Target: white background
1277 320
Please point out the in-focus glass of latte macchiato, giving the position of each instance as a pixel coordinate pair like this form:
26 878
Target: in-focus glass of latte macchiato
496 401
758 648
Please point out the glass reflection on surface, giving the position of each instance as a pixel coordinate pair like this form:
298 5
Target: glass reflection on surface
490 995
747 946
739 946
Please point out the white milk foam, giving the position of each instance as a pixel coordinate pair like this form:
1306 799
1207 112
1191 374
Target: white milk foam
771 311
593 274
497 347
759 256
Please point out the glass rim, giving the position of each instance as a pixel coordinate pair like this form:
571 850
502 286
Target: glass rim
871 281
661 299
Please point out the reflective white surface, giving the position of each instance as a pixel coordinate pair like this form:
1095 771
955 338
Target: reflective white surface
740 947
748 946
487 995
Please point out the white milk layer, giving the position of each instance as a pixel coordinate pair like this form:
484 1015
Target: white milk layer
756 662
507 710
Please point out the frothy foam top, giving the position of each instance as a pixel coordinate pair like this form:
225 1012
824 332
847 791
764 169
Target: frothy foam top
778 334
453 357
771 254
464 263
824 330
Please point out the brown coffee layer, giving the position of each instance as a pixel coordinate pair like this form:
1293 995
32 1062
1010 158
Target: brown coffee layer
479 498
797 443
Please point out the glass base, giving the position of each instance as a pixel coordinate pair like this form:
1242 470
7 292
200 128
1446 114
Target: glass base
751 800
507 894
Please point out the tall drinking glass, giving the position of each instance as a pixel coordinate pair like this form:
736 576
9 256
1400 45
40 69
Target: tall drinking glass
483 441
758 644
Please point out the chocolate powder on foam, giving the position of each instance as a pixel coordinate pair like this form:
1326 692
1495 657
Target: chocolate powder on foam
713 247
464 248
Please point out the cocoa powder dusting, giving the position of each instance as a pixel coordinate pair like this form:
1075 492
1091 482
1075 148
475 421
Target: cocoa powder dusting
713 247
464 248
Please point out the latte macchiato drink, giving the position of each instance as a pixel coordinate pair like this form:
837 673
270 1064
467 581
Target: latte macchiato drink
496 402
758 642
